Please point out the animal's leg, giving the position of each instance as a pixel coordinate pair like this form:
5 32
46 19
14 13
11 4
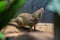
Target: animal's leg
35 28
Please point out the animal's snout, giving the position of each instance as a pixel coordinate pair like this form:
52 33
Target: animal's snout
42 10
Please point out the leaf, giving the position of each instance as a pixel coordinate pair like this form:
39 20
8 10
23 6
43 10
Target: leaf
2 36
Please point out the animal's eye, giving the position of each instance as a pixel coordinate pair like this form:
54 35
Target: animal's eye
33 20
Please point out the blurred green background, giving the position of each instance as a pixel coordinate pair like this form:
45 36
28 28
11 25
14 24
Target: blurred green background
8 8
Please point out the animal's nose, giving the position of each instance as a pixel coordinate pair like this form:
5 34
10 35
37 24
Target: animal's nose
42 10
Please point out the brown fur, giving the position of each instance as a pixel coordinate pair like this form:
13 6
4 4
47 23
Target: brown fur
26 19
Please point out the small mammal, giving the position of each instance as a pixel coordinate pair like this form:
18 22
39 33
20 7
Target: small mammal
26 19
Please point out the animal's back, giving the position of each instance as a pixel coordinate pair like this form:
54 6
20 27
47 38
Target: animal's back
28 19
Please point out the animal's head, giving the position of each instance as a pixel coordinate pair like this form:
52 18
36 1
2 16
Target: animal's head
38 13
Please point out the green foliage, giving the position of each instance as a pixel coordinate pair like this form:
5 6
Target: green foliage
10 12
2 36
3 5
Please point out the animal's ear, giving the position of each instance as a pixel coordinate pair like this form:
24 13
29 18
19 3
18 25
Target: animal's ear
38 13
